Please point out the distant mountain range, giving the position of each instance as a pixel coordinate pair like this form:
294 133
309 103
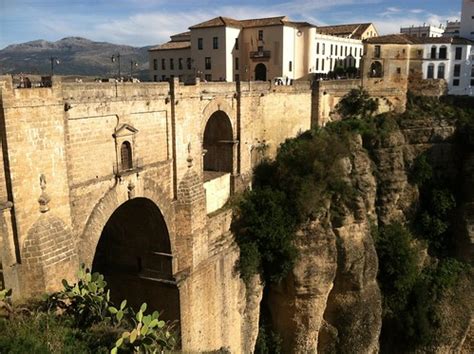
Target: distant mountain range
76 55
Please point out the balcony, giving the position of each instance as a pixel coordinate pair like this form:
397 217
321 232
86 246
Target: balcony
260 55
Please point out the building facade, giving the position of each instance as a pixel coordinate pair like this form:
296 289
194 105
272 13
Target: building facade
424 31
224 49
467 19
401 59
452 29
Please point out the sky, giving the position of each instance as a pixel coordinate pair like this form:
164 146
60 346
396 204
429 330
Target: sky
151 22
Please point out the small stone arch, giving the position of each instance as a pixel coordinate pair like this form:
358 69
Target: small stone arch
218 104
376 69
218 143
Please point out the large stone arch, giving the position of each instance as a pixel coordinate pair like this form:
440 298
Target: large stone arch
106 206
134 255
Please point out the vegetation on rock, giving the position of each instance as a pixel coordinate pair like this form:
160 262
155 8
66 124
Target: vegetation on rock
416 260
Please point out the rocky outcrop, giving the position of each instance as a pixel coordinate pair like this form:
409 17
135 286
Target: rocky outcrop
331 302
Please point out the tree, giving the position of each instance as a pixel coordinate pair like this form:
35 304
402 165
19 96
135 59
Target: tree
357 104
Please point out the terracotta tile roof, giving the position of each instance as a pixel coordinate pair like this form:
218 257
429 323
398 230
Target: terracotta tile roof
261 22
354 30
218 22
172 45
398 38
177 36
249 23
407 39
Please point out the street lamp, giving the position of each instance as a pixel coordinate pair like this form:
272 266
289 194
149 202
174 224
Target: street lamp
132 64
53 60
114 58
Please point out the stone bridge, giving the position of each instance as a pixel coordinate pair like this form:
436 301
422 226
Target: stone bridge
133 180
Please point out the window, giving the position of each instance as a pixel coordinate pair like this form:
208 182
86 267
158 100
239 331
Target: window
290 66
215 43
199 43
430 74
472 71
458 54
236 64
317 64
441 71
171 64
442 52
155 78
322 64
317 48
433 52
207 63
457 70
260 35
340 50
419 53
237 77
163 77
260 49
332 47
377 51
324 49
155 64
163 64
126 156
188 63
350 51
399 71
472 82
208 77
456 82
330 64
180 63
237 43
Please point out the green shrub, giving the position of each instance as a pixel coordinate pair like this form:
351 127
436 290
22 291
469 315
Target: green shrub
268 342
357 104
264 232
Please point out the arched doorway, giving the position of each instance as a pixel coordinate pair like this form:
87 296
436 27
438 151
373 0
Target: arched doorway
376 69
134 254
218 143
261 72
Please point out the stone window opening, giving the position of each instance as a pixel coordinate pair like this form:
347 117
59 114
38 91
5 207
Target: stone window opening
441 71
125 146
433 52
126 162
443 52
430 73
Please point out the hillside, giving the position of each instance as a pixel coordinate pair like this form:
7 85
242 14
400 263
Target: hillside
77 56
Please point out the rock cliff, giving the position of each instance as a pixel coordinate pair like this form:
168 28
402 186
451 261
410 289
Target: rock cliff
331 301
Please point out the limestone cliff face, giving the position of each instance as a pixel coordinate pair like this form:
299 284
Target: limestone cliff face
331 302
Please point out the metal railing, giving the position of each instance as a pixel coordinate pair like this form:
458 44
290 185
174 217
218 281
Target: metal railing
261 54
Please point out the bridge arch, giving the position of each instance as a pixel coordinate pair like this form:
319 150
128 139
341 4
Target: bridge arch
134 255
111 200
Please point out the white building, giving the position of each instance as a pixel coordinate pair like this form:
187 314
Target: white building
224 49
423 31
451 59
452 29
467 19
